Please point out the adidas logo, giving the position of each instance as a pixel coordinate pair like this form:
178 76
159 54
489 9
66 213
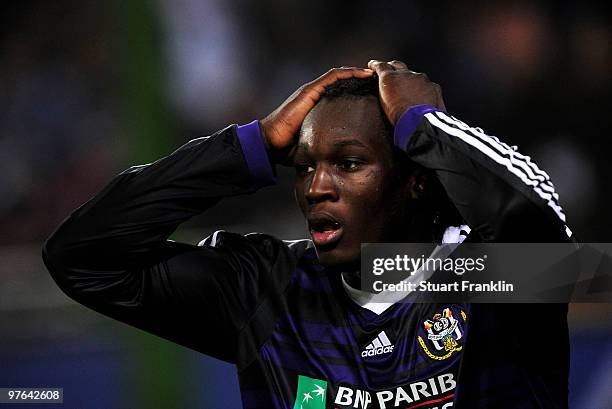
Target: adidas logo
380 345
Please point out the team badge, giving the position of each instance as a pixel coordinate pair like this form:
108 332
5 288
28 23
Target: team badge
444 334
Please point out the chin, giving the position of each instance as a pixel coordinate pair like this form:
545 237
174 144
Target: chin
339 259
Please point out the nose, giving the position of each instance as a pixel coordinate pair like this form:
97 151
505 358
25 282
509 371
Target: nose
322 186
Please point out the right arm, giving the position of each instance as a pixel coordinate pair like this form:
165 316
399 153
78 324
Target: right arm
113 255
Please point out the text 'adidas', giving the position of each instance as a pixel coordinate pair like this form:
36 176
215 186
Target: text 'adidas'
380 345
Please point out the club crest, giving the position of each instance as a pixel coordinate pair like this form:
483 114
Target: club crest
444 334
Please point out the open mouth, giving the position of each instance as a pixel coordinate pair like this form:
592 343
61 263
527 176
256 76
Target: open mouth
324 230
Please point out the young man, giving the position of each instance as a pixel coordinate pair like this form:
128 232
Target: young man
369 152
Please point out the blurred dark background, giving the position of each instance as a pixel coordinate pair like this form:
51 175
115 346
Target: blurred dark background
89 88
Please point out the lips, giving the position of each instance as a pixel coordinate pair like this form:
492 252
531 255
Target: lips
324 229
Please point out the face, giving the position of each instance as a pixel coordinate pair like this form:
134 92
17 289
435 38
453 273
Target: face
343 164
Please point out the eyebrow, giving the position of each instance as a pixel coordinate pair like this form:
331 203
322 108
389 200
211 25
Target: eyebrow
337 144
349 142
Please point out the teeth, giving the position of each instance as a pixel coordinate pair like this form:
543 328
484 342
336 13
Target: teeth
326 225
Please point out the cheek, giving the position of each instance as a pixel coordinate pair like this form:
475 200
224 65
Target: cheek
366 194
298 194
370 188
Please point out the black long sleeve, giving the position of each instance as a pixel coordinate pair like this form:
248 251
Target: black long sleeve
113 254
501 193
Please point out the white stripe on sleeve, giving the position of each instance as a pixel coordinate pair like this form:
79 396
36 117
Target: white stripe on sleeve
512 166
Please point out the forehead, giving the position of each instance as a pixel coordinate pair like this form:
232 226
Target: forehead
344 119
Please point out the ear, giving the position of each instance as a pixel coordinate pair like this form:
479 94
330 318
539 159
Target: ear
417 186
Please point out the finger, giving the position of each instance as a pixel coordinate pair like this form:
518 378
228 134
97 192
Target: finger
350 71
401 66
380 67
336 74
439 98
398 65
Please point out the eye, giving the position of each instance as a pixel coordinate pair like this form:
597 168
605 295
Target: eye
303 169
349 165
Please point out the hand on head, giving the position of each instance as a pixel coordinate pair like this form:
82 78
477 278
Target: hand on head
281 127
400 88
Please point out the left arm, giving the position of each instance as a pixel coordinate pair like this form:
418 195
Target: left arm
501 194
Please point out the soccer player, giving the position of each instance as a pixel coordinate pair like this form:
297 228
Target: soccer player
376 159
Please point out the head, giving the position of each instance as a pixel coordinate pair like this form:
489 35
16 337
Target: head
351 184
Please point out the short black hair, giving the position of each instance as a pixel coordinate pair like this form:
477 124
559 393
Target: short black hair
356 87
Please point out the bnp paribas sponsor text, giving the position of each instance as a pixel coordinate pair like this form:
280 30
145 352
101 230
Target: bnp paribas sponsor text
455 286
